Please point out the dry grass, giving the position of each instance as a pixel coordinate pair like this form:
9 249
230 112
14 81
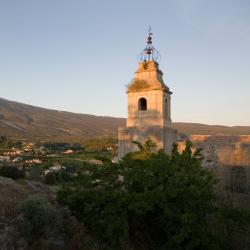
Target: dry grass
10 194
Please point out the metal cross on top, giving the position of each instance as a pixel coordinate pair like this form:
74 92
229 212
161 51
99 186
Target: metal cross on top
149 53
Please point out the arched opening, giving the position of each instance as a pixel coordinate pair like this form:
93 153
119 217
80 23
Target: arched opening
142 104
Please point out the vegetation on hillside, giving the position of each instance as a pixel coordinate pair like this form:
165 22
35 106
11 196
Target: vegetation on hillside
137 84
151 200
51 162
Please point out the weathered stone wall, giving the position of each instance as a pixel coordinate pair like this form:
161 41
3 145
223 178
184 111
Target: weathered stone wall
152 120
229 158
224 150
157 113
164 137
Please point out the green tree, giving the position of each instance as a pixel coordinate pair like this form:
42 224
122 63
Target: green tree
12 172
50 178
149 200
35 172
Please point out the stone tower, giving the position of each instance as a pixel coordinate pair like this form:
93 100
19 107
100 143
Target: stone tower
149 107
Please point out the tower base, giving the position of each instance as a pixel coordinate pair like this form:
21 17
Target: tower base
164 137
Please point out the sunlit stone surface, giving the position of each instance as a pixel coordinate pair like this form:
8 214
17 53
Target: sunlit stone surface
149 111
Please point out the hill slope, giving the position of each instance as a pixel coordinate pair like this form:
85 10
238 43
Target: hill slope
25 121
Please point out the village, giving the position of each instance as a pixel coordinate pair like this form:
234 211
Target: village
35 160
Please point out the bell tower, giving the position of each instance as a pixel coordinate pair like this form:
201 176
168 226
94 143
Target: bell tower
149 106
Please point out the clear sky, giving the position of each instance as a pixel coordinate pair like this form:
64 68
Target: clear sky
78 55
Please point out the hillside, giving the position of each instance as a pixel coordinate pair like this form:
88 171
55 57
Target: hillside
19 120
204 129
26 121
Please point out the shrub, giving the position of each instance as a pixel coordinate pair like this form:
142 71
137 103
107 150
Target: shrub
36 172
50 178
137 84
149 198
12 172
39 217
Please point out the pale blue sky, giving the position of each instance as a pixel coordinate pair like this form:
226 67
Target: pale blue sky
78 55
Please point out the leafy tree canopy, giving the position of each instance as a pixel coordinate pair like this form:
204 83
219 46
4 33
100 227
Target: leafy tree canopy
149 200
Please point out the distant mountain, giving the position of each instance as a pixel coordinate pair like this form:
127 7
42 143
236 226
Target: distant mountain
25 121
18 120
203 129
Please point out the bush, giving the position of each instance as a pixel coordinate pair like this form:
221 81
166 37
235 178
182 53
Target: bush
137 84
12 172
50 178
39 217
36 172
149 200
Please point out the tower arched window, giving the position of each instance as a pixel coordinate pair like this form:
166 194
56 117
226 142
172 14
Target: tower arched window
142 104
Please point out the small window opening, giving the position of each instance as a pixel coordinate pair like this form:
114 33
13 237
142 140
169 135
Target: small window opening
142 104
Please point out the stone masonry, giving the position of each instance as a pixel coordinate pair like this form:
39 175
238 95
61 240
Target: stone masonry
149 111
